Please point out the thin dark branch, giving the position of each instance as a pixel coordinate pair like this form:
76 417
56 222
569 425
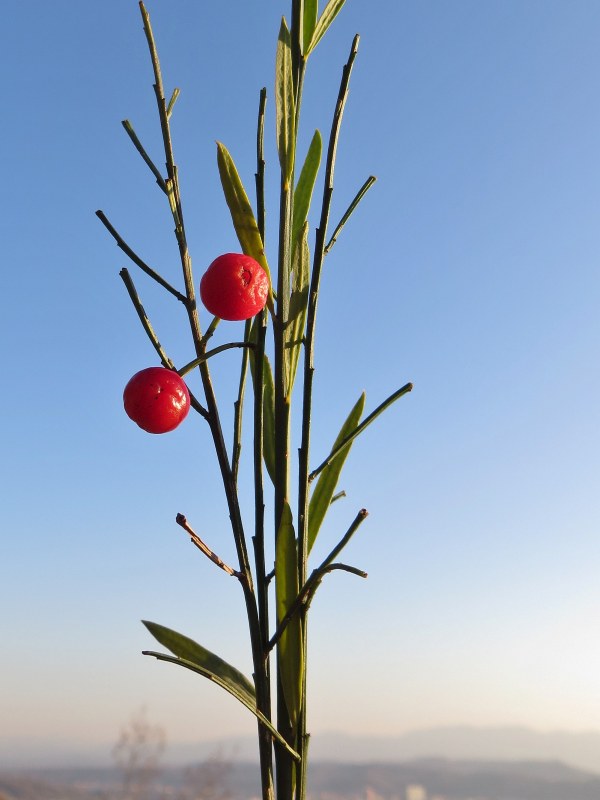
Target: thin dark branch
319 254
349 211
137 260
360 428
210 353
139 147
229 483
260 165
305 595
304 598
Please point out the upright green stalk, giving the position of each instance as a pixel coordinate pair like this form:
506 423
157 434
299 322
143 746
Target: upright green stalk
309 342
293 308
227 473
258 539
288 109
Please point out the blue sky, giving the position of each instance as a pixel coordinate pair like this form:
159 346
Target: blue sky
471 269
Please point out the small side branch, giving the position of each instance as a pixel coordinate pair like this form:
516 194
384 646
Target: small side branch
360 428
306 594
351 208
210 353
182 521
137 260
140 148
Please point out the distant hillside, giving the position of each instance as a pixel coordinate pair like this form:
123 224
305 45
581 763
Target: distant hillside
581 749
443 779
18 786
454 781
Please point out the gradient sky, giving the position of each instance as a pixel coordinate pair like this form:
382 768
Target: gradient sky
471 269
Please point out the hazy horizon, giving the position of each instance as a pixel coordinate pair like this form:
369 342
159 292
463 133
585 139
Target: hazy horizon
579 749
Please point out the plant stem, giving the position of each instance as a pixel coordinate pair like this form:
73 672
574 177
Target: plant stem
210 353
258 540
283 389
213 414
307 388
137 260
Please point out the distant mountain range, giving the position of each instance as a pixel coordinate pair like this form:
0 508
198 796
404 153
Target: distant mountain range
439 778
580 750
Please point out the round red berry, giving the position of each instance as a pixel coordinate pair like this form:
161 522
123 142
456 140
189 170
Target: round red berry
157 399
234 287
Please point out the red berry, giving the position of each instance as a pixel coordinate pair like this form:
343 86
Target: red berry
234 287
157 399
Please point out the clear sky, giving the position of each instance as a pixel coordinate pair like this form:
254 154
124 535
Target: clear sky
471 269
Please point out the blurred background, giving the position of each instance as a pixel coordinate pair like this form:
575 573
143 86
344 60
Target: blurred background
471 269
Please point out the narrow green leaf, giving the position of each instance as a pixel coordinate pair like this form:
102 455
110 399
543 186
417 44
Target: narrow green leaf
305 185
268 412
309 21
269 419
298 305
183 647
242 215
289 649
284 100
323 492
330 12
248 702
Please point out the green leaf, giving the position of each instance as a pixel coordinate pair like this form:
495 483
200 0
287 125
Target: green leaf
311 10
323 492
217 669
192 656
242 215
305 185
284 101
269 419
289 648
330 12
298 305
268 410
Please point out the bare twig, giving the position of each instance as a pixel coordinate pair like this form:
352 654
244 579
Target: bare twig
137 260
182 521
